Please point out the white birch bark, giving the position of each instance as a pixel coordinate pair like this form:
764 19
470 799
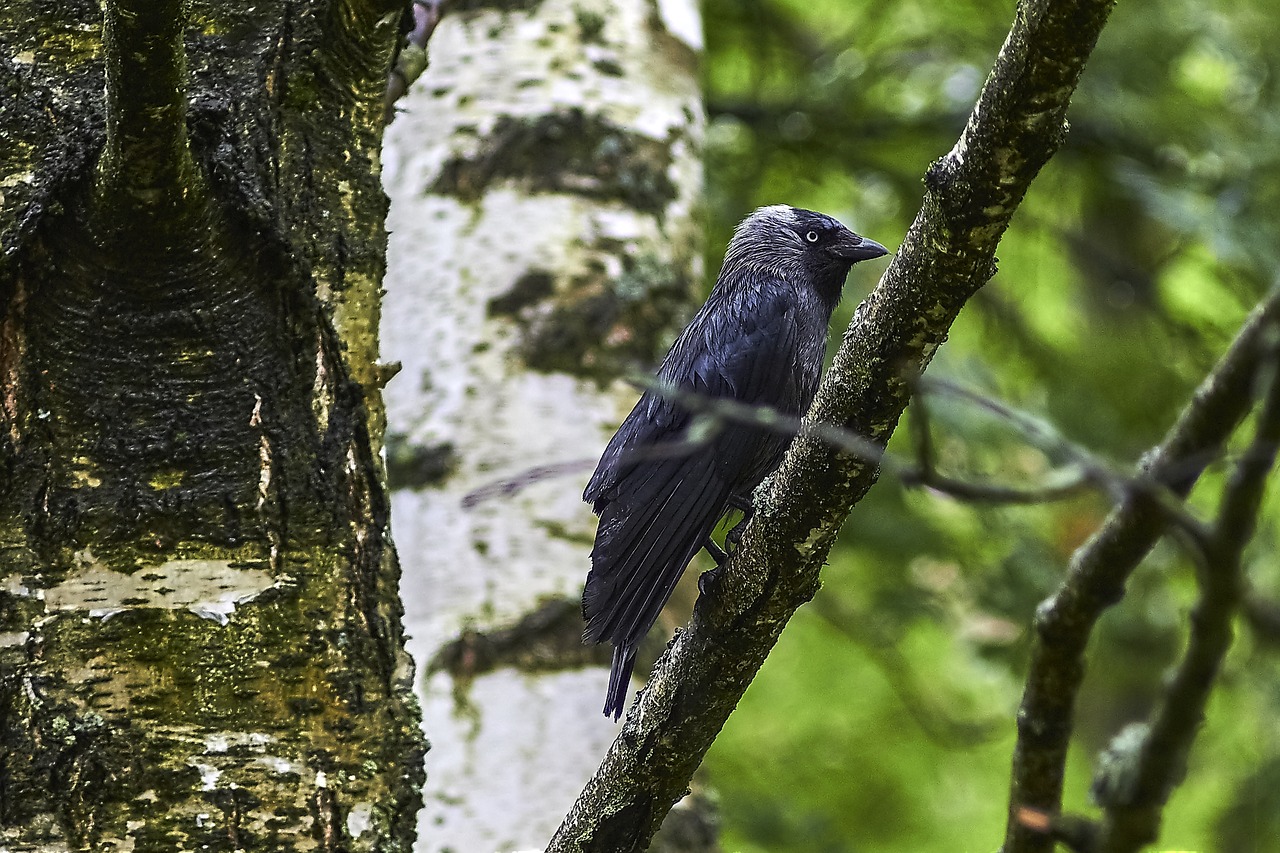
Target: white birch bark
544 172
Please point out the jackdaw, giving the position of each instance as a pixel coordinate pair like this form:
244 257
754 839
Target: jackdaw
759 339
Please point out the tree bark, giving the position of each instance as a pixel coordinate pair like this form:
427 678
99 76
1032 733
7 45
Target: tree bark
200 639
544 172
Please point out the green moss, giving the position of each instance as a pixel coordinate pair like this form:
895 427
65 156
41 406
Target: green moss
412 466
505 6
592 322
590 24
167 479
566 152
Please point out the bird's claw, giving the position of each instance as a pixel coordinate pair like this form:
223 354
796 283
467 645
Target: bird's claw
717 553
733 539
708 579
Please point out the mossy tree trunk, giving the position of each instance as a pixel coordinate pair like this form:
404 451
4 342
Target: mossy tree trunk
200 641
544 174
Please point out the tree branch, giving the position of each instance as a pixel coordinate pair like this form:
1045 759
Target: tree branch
948 253
1100 568
1093 471
411 61
1136 804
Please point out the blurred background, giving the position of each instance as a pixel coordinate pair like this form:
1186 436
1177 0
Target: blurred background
884 719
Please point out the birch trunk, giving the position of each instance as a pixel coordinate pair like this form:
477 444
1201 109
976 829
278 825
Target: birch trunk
544 174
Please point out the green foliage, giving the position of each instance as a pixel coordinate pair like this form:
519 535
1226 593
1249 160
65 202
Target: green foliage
884 719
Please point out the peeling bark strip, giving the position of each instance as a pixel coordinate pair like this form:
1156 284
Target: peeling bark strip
200 641
949 252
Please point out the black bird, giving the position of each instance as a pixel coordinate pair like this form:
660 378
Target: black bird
760 339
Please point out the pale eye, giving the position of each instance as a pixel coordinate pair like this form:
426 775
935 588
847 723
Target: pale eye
812 236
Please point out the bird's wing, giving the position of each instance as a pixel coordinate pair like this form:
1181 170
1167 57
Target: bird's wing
757 364
747 353
655 513
742 349
660 517
653 421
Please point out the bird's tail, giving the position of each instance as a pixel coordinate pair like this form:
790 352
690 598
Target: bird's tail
624 660
643 544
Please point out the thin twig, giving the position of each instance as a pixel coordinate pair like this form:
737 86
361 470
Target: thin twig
1066 482
1086 470
712 412
411 61
510 486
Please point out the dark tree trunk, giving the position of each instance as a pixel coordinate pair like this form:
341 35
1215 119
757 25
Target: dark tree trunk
200 643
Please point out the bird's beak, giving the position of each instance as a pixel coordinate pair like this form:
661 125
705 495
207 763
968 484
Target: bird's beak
854 248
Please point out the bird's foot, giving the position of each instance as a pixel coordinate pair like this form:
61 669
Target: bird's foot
733 538
707 580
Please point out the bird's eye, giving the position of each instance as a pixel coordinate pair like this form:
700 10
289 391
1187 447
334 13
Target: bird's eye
812 236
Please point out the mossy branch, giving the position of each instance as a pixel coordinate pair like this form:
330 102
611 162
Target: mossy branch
412 59
948 254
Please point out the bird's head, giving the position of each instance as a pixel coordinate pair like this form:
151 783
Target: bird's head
798 244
